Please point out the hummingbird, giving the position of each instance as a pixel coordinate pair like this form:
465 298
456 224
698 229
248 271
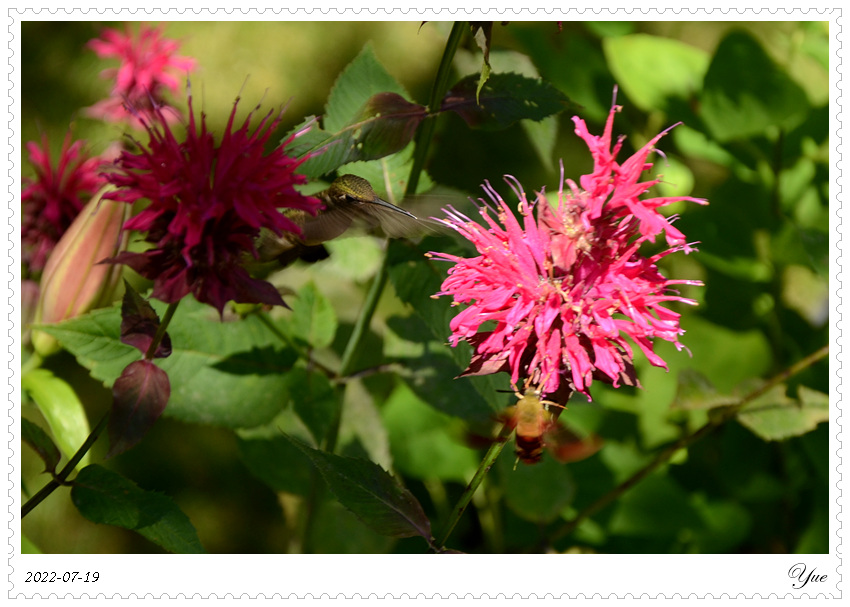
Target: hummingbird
350 200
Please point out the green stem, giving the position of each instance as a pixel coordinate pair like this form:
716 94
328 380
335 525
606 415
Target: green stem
485 465
441 84
715 421
59 479
160 331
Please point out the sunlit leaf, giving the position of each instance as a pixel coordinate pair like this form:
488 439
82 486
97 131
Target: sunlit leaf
745 92
367 116
776 416
651 69
313 317
61 408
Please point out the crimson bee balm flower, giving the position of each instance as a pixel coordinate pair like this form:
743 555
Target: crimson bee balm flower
208 203
563 289
55 197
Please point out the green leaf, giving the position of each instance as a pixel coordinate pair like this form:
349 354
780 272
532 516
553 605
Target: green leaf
60 407
482 33
775 416
695 392
367 116
104 497
38 439
426 444
727 525
27 547
272 457
537 492
657 508
651 69
211 361
389 175
505 99
371 494
313 317
745 92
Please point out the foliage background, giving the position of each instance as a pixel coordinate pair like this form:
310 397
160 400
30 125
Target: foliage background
754 100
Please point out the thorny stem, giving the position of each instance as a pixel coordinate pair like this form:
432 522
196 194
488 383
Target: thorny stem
723 415
484 467
59 479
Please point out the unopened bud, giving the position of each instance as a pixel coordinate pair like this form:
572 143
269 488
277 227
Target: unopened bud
74 281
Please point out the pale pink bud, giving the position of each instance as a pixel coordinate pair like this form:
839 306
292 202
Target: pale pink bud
74 281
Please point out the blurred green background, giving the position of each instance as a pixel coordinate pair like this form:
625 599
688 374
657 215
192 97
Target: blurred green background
754 101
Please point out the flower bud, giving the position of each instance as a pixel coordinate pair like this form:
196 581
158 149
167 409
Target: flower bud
74 281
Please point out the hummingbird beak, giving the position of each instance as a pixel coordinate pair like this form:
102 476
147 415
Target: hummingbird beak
389 205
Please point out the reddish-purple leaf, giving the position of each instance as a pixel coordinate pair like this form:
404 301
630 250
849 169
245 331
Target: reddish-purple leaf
139 324
139 397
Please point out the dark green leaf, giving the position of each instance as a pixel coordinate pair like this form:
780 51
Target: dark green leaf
537 492
139 398
505 99
38 439
108 498
371 494
745 92
272 457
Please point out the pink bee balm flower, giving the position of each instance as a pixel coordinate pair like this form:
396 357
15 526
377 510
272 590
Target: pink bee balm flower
55 197
208 203
149 66
565 287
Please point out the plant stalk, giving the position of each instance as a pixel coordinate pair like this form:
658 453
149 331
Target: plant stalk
724 414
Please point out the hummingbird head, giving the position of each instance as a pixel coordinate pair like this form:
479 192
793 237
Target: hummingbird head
351 189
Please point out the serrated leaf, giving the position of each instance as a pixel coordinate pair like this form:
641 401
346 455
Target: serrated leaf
371 494
313 317
745 92
211 361
104 497
272 458
505 99
61 408
38 439
367 116
775 416
139 397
